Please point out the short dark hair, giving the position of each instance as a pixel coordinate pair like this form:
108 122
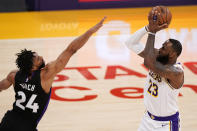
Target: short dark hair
24 60
177 46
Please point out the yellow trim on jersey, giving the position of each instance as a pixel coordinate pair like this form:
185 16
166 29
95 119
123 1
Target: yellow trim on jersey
170 125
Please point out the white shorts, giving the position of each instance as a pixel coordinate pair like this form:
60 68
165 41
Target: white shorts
148 124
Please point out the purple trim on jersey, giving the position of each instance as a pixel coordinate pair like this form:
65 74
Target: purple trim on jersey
175 125
45 108
174 120
167 118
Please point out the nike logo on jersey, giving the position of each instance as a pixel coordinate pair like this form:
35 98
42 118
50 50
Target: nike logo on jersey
164 125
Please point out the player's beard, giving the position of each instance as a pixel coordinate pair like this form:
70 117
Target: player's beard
42 65
163 59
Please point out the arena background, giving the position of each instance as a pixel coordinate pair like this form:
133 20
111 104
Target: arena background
102 86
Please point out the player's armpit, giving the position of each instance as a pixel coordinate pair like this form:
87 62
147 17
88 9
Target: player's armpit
49 71
54 67
141 54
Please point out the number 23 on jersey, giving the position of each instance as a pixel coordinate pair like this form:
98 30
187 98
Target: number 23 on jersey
153 89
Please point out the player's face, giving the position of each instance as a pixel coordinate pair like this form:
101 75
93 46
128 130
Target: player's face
38 61
165 52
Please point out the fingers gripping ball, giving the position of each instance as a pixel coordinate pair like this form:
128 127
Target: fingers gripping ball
165 15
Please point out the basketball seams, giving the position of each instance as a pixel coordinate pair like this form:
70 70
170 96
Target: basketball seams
165 14
161 20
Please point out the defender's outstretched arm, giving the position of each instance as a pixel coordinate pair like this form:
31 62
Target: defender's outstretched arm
51 69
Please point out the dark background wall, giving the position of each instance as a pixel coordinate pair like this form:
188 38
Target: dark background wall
12 5
41 5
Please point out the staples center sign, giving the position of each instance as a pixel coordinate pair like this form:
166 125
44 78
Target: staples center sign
110 73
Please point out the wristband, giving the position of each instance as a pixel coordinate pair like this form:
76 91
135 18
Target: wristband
151 33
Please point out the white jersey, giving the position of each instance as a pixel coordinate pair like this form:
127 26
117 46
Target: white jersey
160 98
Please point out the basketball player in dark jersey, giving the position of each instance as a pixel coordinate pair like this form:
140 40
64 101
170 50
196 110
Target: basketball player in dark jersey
32 84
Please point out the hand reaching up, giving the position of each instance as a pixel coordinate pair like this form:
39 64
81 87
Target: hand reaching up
97 26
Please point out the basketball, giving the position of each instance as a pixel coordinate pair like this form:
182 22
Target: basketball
166 15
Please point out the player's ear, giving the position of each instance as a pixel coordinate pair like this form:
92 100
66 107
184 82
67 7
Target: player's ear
173 54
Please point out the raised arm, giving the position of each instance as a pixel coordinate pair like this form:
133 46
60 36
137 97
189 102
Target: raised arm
133 42
153 27
51 69
74 46
170 72
8 81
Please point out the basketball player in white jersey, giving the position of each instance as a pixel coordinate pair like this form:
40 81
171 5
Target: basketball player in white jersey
164 79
